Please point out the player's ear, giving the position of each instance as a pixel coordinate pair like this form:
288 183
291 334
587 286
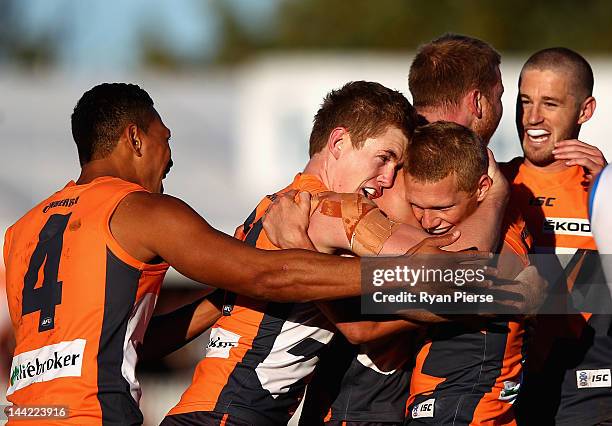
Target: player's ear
473 100
132 133
338 138
484 184
587 108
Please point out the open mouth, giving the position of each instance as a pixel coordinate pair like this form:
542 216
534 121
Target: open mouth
439 231
370 193
538 136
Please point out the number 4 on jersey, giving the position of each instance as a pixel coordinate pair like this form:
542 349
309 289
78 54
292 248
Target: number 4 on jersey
49 294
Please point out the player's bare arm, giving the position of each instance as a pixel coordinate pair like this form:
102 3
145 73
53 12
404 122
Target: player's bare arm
171 331
155 226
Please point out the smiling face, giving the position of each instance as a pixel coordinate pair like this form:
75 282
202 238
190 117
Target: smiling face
547 112
369 169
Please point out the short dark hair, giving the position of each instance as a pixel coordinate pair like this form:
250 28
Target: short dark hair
103 112
366 109
442 148
562 58
447 68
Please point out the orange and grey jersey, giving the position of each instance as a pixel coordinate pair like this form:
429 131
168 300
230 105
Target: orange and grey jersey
260 354
569 364
361 384
470 375
554 206
79 305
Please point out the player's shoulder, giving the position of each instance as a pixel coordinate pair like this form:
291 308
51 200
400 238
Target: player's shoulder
26 219
346 201
144 205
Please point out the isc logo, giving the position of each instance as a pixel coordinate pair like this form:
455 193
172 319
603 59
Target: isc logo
594 378
541 201
601 377
424 409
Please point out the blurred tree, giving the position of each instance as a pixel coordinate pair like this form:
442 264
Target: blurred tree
27 52
510 25
236 42
156 54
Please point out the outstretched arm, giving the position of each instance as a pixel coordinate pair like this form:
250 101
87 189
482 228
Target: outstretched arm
175 233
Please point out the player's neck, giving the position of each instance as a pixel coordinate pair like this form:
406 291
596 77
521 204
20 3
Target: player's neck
554 167
454 115
317 166
100 168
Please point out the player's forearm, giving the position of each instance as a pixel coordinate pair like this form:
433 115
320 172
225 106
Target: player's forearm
358 329
169 332
361 332
423 317
301 276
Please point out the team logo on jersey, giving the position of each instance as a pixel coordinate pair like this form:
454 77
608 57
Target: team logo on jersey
510 391
567 226
424 409
593 378
63 359
542 201
221 342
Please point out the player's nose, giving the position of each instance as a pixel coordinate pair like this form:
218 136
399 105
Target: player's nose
429 220
534 115
386 178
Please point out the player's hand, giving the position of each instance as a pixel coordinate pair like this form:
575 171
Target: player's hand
429 254
533 287
578 153
433 246
500 187
522 296
286 220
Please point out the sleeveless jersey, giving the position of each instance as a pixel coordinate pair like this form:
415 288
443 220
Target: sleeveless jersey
554 206
260 354
569 362
79 305
470 375
353 385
